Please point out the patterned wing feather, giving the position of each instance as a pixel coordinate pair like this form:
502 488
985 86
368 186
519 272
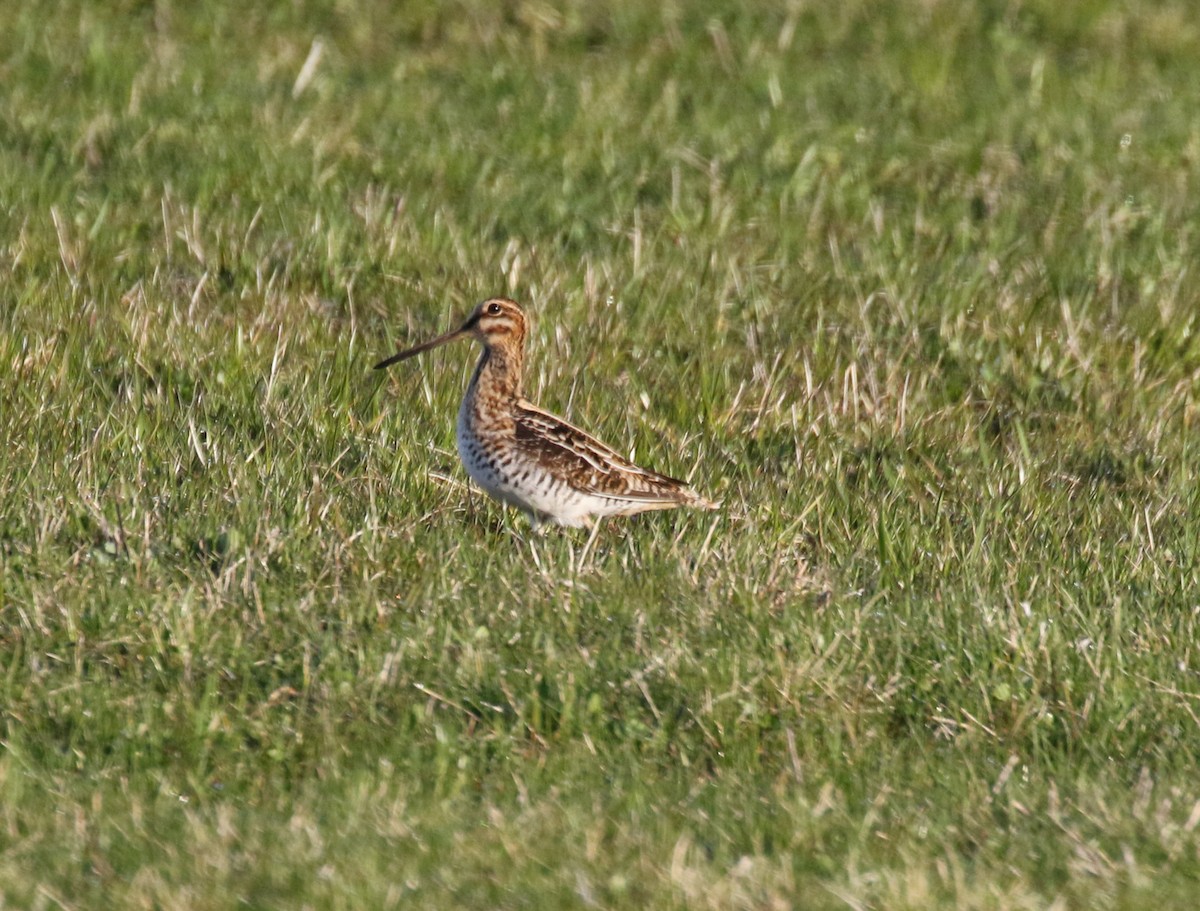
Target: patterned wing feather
592 467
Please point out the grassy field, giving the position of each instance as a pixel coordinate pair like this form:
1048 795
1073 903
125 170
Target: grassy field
911 287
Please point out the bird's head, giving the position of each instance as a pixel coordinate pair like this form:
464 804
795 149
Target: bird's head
497 322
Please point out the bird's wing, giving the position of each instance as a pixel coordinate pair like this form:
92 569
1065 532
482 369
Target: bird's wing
590 465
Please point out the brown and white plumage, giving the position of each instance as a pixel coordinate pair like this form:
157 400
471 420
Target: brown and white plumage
530 458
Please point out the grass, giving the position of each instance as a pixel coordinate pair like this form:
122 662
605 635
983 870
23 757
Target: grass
911 287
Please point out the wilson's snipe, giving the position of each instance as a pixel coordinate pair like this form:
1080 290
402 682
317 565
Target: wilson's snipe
529 458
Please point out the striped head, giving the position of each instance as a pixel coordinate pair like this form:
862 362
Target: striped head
498 324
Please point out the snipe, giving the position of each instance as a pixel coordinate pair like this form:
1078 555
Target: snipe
529 458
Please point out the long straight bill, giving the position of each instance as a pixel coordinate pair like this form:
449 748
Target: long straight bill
425 346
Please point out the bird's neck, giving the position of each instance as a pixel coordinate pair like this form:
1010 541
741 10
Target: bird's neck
498 374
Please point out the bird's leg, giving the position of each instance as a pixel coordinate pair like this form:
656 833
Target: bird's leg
591 541
536 524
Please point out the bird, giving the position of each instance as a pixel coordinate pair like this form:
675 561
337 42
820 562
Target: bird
529 458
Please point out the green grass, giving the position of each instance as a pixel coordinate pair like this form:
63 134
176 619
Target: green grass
911 287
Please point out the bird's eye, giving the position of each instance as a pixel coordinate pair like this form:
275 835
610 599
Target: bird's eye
494 309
